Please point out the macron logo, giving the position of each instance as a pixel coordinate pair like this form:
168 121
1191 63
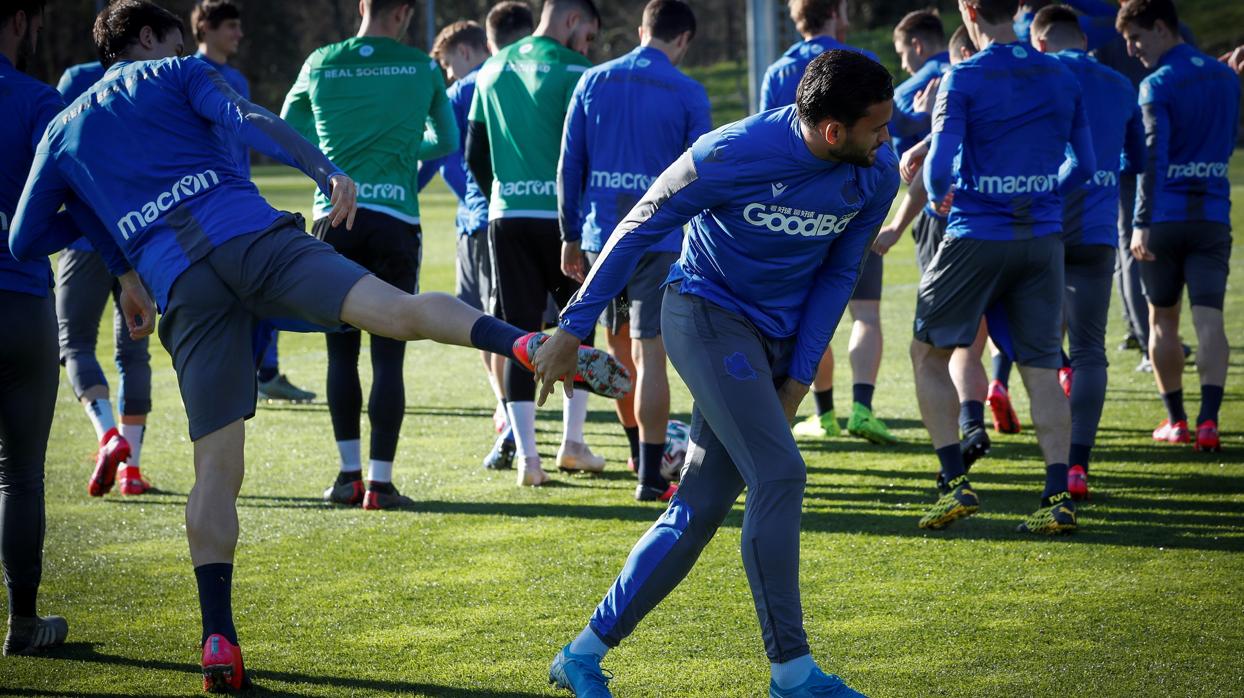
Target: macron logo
777 188
1197 169
1106 178
184 188
384 192
1033 184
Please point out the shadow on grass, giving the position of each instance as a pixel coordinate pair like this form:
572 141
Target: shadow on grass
86 652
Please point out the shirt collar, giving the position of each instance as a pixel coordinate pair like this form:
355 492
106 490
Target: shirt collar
652 54
1175 52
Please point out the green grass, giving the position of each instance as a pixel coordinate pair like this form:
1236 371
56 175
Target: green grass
471 595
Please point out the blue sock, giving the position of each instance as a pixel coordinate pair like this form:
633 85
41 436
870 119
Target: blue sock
588 643
824 401
1055 481
650 457
1066 359
1174 402
792 673
863 394
490 334
1080 455
1211 401
951 459
632 439
1002 370
971 414
215 600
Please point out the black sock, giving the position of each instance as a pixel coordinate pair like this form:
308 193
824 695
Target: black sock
1055 481
863 394
632 437
824 401
266 373
951 459
1080 455
1211 400
1002 370
215 600
1066 359
344 476
490 334
650 457
971 415
22 601
1174 402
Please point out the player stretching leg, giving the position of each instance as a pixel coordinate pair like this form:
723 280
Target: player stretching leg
366 101
747 348
1090 235
640 98
28 372
1183 209
823 23
146 158
1003 249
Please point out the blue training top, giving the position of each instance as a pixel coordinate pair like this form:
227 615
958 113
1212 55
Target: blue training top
777 234
76 80
237 81
1014 111
142 148
783 76
628 120
1091 210
28 106
1096 21
1191 107
472 205
908 126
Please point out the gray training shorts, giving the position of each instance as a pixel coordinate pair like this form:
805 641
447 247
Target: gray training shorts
868 288
927 231
640 304
1195 254
1020 281
475 271
214 306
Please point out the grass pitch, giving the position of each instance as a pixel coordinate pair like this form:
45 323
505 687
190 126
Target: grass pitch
472 594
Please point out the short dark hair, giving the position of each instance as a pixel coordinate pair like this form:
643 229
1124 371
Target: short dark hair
378 6
841 85
811 15
995 11
509 21
10 8
669 19
961 40
586 7
457 34
925 25
1146 13
117 27
212 13
1057 22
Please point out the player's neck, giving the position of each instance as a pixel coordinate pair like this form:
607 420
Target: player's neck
371 28
550 30
664 47
989 34
213 55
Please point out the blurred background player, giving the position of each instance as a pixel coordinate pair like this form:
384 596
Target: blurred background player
461 48
1182 224
747 317
507 22
1003 248
29 375
83 285
513 142
1090 217
628 120
823 25
217 27
367 101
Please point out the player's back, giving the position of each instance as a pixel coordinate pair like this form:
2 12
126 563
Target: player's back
1195 100
1016 108
1091 211
640 113
783 76
521 95
78 79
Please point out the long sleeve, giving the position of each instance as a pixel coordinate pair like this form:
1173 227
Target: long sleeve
836 279
572 168
1081 161
1134 144
428 170
297 110
441 137
949 127
213 99
479 155
677 196
700 117
768 92
1157 153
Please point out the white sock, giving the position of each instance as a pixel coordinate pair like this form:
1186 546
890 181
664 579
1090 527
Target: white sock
351 455
792 673
523 426
133 433
100 413
574 414
380 471
588 643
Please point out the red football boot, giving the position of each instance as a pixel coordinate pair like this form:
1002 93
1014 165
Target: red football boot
222 666
113 451
132 480
1176 433
1207 437
1064 379
597 370
1077 483
1005 421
